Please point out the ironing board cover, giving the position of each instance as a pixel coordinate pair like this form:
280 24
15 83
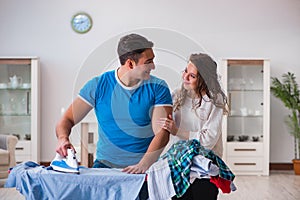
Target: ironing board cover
39 182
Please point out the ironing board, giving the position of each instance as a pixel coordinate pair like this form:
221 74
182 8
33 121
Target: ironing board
39 182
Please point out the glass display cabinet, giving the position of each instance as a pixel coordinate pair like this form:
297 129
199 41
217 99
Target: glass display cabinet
246 128
19 104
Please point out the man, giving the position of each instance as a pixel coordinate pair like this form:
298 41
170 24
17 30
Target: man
127 102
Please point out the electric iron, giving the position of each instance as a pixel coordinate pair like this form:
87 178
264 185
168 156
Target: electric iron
67 164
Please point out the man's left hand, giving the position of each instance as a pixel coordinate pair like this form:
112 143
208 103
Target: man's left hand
135 169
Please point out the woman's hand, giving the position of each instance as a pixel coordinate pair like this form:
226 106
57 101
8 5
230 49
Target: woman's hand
168 124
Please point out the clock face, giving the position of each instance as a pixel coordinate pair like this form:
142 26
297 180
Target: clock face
81 23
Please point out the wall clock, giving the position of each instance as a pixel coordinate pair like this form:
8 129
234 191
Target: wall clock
81 22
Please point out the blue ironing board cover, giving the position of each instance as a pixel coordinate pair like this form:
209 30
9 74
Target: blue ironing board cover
38 182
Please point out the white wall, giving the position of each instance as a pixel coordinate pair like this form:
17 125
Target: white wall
232 28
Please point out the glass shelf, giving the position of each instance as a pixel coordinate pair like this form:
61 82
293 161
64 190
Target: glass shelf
1 89
244 125
15 102
245 116
246 90
247 141
14 115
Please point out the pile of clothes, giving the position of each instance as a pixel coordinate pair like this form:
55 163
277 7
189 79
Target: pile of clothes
181 165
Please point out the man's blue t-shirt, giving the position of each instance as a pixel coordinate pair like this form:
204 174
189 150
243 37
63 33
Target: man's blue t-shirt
124 115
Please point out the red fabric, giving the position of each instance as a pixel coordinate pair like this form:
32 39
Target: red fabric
221 183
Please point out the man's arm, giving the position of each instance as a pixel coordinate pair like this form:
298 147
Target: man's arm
158 143
74 114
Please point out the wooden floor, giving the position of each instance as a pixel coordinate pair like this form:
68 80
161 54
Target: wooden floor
280 185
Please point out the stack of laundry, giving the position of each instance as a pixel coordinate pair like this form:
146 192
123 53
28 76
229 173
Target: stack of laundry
181 165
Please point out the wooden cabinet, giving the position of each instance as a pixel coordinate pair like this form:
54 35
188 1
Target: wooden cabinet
19 104
23 150
89 138
246 132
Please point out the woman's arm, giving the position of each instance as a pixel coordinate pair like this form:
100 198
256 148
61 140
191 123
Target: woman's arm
208 135
211 130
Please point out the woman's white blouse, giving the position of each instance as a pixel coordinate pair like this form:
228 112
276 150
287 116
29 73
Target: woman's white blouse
204 124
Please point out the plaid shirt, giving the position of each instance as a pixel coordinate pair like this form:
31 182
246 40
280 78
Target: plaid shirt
180 157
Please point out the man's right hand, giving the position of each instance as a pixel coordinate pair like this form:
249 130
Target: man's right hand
74 114
64 144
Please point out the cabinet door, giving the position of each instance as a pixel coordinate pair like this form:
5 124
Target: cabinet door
23 151
19 103
15 98
246 100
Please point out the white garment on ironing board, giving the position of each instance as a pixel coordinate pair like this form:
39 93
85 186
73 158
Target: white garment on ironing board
160 185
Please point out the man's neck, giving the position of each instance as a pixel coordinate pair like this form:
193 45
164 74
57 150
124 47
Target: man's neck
125 77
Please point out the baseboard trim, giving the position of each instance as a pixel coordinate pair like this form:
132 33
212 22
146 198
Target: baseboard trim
46 164
281 166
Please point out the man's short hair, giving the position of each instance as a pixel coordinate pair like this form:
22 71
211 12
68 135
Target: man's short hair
131 46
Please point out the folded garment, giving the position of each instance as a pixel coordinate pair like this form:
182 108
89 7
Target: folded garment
202 168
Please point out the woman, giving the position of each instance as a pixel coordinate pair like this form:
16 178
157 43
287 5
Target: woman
199 106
